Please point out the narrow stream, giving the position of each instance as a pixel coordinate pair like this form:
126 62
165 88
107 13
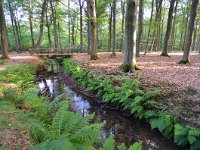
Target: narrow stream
124 128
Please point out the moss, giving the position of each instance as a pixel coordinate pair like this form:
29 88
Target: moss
94 57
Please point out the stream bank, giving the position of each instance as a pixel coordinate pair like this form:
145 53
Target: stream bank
125 128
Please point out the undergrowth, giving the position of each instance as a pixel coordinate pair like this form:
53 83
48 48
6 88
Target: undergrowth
20 74
125 92
52 126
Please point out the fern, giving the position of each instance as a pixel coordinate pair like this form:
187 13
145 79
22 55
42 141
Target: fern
180 135
164 123
38 131
136 146
62 143
108 144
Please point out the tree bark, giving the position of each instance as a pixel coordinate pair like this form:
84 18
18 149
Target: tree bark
93 36
30 22
44 9
16 46
81 25
140 26
55 29
114 29
150 23
173 28
88 26
48 31
123 16
4 41
190 29
130 37
110 28
169 26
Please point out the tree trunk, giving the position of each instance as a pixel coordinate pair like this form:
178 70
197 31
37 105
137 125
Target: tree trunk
173 28
44 9
114 29
110 28
88 26
130 37
48 31
4 41
169 26
16 46
194 37
190 29
30 22
81 25
140 26
150 23
123 16
93 36
69 26
156 35
55 29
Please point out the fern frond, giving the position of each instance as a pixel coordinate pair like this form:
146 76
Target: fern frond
109 144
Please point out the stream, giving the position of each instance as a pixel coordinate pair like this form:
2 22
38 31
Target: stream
126 129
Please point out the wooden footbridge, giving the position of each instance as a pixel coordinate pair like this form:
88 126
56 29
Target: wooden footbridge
51 53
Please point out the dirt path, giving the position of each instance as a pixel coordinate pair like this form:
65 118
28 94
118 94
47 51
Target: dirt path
20 58
179 84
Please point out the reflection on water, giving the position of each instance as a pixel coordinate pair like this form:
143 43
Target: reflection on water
125 129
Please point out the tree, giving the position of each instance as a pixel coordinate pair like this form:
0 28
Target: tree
140 26
81 24
123 17
4 41
55 26
190 29
114 29
130 37
169 26
93 37
44 9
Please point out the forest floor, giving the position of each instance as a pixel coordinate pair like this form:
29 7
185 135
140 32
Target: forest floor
14 124
179 84
25 57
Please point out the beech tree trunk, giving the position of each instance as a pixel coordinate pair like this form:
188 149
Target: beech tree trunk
169 26
190 29
110 28
130 37
88 26
140 26
114 29
81 25
16 46
31 23
93 36
172 43
44 9
123 16
150 24
4 41
55 28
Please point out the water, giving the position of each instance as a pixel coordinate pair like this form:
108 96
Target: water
125 129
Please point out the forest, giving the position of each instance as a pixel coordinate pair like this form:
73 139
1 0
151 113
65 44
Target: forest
100 74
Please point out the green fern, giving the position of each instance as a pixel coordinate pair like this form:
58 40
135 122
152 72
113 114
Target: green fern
181 135
136 146
108 144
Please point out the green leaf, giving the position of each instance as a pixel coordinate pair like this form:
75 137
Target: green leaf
136 146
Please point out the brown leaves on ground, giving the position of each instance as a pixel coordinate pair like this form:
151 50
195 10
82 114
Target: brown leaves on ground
15 139
21 58
179 84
